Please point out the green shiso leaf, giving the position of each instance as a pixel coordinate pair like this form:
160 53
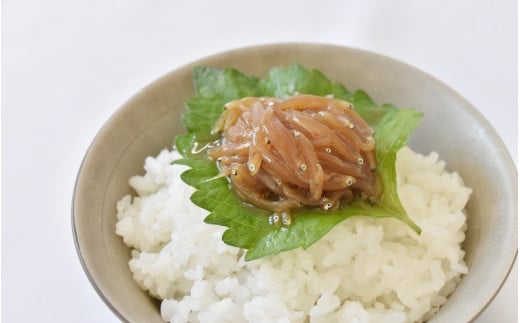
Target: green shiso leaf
248 226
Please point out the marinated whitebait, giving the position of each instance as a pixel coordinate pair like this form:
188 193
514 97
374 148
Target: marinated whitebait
305 150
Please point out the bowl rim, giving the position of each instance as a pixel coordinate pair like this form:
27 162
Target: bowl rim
266 46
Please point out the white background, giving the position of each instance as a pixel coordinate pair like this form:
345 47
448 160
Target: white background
68 65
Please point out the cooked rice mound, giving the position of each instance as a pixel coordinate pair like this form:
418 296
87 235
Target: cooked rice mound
364 270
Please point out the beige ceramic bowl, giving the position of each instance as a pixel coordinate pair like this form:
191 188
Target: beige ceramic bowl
149 121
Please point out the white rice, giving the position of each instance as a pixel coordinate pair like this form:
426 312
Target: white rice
364 270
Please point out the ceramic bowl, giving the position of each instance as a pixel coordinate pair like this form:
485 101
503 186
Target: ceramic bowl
148 122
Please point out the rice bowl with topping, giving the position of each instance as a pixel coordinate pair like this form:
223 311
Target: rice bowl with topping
145 125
